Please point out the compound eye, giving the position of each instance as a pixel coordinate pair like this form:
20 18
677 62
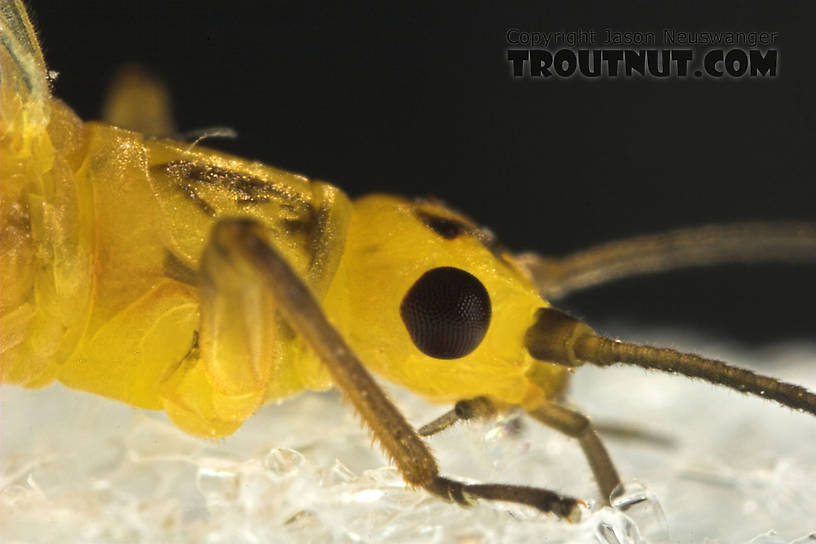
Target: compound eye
447 312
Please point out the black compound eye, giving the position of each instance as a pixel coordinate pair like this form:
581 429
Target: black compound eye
447 312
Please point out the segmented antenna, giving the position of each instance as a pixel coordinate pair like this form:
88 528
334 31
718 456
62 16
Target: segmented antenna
601 351
558 338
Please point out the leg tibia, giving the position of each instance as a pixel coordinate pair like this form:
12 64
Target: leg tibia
578 426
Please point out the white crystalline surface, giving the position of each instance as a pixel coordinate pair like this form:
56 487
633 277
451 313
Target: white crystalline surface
83 469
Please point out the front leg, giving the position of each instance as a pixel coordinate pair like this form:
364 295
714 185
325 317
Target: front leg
571 423
578 426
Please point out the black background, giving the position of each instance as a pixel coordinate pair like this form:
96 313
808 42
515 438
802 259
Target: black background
421 102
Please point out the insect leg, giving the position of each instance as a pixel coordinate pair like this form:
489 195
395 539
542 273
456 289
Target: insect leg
237 353
579 426
138 100
632 432
243 241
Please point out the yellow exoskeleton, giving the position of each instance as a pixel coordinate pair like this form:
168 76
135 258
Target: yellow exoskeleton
174 277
